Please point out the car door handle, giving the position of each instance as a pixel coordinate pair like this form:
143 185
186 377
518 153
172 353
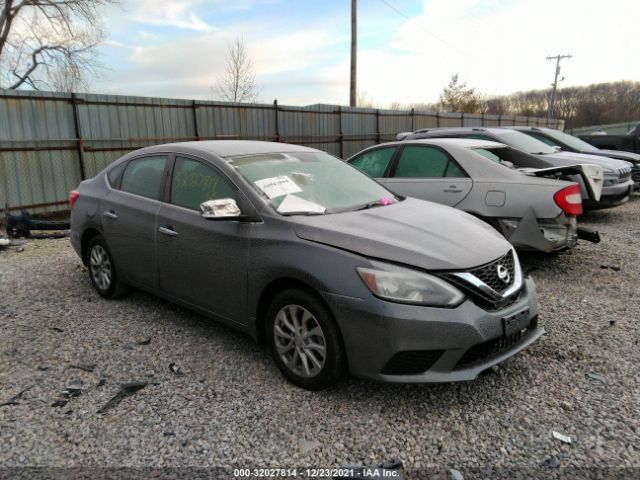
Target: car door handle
110 214
453 189
168 231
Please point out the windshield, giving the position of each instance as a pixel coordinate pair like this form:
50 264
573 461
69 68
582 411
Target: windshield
310 183
523 142
573 142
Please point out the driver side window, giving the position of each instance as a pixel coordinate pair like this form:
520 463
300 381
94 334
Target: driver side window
193 183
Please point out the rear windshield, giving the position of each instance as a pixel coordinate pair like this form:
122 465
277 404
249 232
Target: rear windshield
523 142
573 142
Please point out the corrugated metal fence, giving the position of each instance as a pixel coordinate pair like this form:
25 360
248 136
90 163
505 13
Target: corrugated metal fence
50 141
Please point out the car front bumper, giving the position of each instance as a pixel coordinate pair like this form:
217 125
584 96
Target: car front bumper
414 344
613 195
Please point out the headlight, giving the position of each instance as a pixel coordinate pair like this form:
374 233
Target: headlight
404 285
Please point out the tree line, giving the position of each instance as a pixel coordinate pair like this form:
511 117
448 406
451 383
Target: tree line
595 104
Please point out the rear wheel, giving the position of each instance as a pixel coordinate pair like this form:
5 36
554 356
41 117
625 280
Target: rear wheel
304 340
102 269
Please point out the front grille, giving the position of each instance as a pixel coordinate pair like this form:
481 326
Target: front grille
624 173
411 362
635 173
489 273
484 351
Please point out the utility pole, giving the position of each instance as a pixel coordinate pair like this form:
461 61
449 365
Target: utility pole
354 53
557 58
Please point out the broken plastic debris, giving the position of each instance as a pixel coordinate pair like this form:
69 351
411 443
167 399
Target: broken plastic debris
86 368
14 400
456 474
60 402
126 390
307 446
56 329
277 186
293 203
146 341
552 462
597 377
175 369
561 437
71 391
611 267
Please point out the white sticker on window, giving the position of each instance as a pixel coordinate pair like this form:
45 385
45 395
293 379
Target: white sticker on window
277 186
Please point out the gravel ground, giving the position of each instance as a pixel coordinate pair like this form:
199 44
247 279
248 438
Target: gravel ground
225 404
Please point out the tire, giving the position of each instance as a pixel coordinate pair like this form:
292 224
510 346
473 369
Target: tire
300 357
102 270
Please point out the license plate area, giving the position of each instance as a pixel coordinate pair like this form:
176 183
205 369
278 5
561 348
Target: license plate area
516 322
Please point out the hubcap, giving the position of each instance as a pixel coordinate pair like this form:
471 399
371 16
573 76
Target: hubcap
299 340
100 267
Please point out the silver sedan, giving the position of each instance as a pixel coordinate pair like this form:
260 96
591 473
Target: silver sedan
477 176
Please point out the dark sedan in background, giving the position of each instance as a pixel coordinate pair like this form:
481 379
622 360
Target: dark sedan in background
300 250
569 143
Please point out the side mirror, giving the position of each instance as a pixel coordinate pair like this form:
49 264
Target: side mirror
220 209
507 164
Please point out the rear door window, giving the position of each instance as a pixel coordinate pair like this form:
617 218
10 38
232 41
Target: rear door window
114 175
144 176
426 162
375 162
193 183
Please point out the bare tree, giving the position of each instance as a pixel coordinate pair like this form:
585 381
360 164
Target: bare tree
238 83
50 43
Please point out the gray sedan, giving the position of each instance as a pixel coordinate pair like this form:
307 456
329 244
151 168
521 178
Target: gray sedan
304 252
569 143
532 213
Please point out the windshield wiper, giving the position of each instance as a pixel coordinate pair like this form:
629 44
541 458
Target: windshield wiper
301 212
375 203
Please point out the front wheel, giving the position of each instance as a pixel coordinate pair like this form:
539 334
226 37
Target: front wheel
304 340
102 269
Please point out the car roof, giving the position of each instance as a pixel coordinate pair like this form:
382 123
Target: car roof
228 148
460 129
457 142
447 143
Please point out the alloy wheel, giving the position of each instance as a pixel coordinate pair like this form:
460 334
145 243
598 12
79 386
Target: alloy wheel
299 340
100 267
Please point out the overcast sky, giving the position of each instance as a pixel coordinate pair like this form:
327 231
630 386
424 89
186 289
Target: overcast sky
407 51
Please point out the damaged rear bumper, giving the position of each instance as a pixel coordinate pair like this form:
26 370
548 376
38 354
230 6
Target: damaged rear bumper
544 235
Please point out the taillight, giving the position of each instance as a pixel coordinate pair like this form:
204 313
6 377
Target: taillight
569 200
73 196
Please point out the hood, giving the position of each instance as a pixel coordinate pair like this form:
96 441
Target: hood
604 162
412 232
618 155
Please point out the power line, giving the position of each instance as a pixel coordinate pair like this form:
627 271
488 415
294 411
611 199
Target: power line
423 28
